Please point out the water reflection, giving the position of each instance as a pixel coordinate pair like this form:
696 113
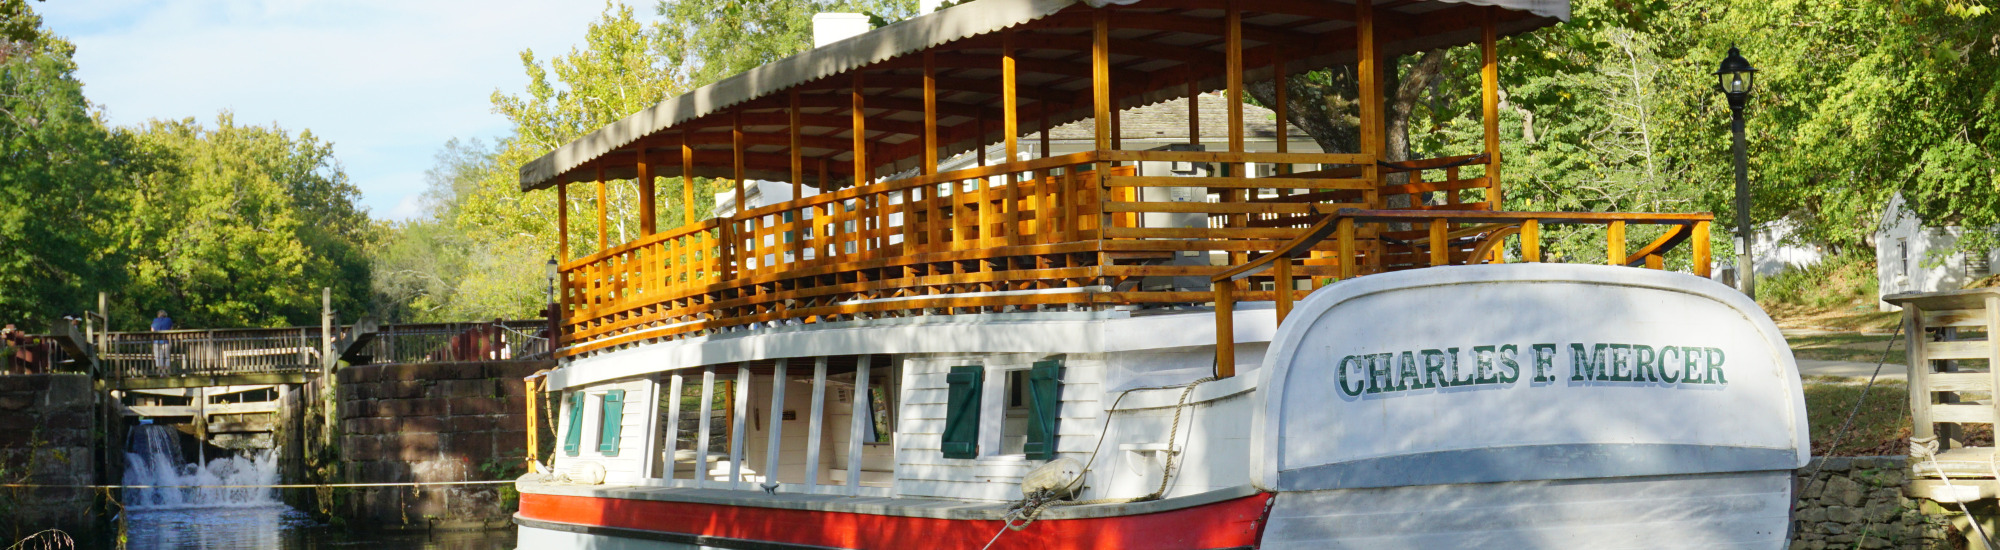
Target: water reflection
282 528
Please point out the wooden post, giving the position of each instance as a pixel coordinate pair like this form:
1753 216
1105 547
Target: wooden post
798 161
815 423
739 425
1614 243
1282 271
687 177
1368 67
1914 340
1100 78
1233 78
1194 111
930 165
1702 257
1280 96
736 160
647 224
603 238
1531 241
858 422
861 175
1440 242
534 417
673 428
1348 269
706 411
1225 329
1233 71
1010 123
1489 92
777 416
562 221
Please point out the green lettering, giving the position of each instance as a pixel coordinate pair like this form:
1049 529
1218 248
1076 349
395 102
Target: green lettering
1434 361
1545 362
1351 365
1621 362
1458 377
1644 356
1691 365
1433 374
1585 364
1408 375
1378 373
1715 367
1675 375
1483 358
1510 369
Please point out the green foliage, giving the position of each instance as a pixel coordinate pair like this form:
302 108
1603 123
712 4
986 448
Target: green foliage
59 171
225 226
1840 280
241 226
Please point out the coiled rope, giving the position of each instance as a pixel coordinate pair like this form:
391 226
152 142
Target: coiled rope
1026 510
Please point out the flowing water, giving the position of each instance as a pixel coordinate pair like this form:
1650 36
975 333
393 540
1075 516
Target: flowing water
216 516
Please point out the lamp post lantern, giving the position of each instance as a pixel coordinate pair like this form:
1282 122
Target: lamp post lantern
1735 79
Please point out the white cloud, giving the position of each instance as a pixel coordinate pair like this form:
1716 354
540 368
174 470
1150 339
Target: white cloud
388 82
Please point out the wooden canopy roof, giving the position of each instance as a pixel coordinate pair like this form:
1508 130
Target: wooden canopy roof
1159 50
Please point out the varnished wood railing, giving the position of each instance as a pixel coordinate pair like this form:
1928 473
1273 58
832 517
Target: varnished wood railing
1448 238
1061 231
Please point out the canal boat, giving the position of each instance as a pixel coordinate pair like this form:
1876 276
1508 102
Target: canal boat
1197 346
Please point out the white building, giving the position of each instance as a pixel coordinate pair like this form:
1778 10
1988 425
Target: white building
1912 257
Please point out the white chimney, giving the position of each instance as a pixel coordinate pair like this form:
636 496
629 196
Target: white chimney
925 7
834 27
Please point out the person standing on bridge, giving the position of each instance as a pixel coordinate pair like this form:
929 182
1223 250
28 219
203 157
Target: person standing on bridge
161 323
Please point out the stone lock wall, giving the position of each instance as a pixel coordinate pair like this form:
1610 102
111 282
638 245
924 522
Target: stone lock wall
46 425
1858 502
433 423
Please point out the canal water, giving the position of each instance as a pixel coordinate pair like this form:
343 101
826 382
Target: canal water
220 518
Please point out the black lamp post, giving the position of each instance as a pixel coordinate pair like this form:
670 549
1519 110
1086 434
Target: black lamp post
554 316
1735 81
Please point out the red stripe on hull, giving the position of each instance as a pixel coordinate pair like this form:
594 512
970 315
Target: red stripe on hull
1226 524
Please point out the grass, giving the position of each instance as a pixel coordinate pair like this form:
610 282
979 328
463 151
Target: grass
1881 426
1848 346
1837 294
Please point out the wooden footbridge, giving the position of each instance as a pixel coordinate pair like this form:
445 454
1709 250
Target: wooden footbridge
263 356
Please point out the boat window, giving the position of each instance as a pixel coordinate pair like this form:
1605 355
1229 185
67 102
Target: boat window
1014 429
881 407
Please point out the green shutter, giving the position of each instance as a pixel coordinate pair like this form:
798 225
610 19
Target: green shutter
961 417
1044 409
572 439
613 420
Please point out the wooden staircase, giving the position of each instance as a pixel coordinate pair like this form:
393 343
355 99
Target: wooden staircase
1951 354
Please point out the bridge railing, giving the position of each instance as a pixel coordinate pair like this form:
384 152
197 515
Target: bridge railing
292 350
210 352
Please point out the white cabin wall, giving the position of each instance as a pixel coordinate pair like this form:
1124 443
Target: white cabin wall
922 470
629 466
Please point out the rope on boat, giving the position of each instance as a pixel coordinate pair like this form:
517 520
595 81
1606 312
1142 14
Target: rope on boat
1926 448
1026 510
279 486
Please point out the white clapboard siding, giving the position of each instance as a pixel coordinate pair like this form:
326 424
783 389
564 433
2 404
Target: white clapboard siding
628 467
922 470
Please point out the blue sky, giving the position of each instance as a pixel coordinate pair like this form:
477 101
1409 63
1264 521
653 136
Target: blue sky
387 81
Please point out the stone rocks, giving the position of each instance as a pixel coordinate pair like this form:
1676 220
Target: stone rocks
47 425
1858 502
428 423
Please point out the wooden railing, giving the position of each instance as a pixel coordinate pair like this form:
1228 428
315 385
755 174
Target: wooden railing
1085 229
289 350
1446 238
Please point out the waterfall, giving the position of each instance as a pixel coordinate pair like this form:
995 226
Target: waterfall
153 457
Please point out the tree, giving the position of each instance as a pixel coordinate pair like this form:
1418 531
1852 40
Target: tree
241 226
58 167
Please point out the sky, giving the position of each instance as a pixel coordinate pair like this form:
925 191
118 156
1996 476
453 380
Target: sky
388 82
